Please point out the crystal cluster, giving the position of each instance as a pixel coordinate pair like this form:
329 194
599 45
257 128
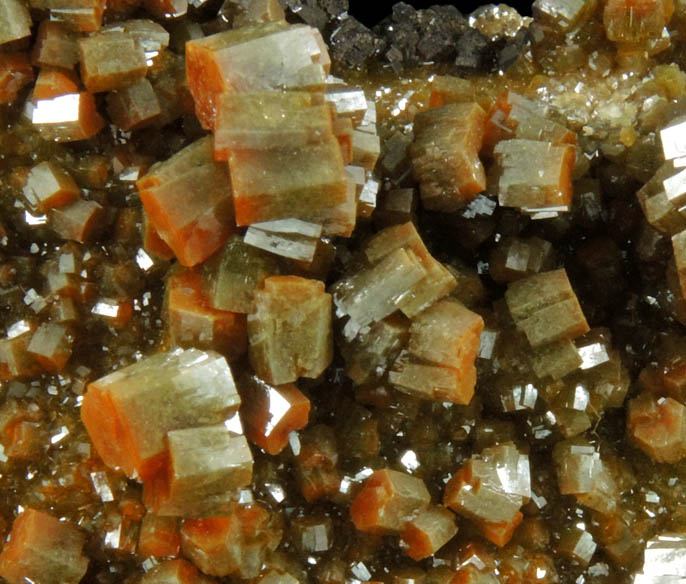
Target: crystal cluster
186 389
260 324
491 488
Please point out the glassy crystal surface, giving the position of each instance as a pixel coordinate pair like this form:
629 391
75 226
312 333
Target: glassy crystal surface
192 322
47 186
289 238
290 331
110 60
490 489
545 186
272 412
427 532
445 157
388 499
239 270
663 559
184 388
43 549
249 59
270 120
68 117
207 465
551 313
658 426
564 14
399 274
442 348
581 472
194 227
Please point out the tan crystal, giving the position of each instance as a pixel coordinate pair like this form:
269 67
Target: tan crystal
290 331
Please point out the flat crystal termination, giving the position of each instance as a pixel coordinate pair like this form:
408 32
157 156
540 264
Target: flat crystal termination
617 263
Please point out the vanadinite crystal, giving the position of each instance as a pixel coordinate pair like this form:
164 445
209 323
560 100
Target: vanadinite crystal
288 296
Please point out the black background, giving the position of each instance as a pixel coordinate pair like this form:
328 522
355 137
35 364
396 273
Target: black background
371 11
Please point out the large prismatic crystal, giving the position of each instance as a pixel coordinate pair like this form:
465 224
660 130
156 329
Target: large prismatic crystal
369 355
536 177
79 15
236 273
427 532
629 21
564 14
159 536
48 185
78 221
516 117
207 465
235 543
193 232
188 200
55 46
134 106
663 198
290 331
289 238
307 183
192 322
67 115
664 560
445 155
51 346
128 413
15 360
271 412
274 120
251 59
151 36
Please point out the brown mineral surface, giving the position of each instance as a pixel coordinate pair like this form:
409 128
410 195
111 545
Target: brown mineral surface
285 299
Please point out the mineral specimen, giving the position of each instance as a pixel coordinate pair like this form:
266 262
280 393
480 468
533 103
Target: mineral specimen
450 282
